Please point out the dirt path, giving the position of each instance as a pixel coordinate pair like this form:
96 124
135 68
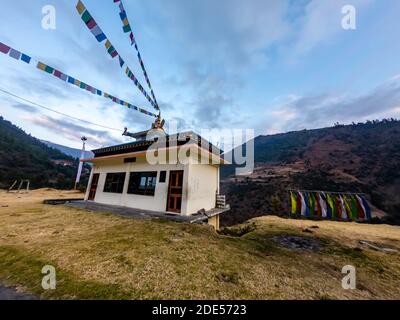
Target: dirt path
12 294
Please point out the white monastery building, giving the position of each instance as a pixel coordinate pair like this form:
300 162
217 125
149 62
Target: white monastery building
171 174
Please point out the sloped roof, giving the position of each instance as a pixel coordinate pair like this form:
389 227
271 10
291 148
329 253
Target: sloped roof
177 140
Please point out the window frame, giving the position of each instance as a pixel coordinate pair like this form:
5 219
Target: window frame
163 176
146 189
120 183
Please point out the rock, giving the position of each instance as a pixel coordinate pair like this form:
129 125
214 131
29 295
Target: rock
298 243
377 247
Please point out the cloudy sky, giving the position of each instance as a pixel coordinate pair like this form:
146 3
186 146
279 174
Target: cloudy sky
270 65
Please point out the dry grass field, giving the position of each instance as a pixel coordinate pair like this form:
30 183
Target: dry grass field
103 256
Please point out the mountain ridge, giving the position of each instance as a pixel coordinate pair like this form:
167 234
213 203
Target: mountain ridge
23 156
73 152
363 157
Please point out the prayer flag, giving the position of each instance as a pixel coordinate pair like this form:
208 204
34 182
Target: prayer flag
26 58
367 208
91 24
122 15
121 62
71 80
127 28
41 66
294 204
322 200
80 7
101 37
114 53
86 16
15 54
3 48
96 31
49 69
110 49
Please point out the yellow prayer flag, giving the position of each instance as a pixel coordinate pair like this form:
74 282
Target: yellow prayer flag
80 7
294 203
126 104
125 21
41 66
108 44
77 82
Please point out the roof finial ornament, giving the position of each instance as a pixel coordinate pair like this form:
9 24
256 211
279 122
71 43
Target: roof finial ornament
158 124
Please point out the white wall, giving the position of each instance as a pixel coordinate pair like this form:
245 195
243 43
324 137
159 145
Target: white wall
200 184
202 187
158 202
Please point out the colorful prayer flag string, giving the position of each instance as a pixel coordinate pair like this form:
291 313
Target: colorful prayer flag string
127 28
100 36
336 206
15 54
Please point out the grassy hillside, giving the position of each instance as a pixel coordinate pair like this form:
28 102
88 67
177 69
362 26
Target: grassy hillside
361 157
25 157
103 256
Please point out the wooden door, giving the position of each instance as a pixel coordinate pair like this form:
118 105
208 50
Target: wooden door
93 186
174 202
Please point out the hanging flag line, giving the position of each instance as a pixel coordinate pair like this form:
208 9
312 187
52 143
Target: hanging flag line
55 111
100 37
330 205
127 28
7 50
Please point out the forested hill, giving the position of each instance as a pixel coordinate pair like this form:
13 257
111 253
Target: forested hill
363 157
25 157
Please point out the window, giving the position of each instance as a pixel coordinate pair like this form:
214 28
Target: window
130 160
143 183
163 176
114 182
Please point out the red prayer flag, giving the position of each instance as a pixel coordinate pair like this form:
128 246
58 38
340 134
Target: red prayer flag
3 48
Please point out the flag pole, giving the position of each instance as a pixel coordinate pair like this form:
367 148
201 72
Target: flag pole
80 166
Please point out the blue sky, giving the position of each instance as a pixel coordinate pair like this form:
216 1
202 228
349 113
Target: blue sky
273 66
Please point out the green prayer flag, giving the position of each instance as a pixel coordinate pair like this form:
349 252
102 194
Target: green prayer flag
86 16
49 69
111 49
127 28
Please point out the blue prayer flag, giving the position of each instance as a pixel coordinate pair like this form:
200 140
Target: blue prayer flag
101 37
26 58
122 15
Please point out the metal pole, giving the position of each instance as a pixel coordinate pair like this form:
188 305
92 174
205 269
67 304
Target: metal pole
80 166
